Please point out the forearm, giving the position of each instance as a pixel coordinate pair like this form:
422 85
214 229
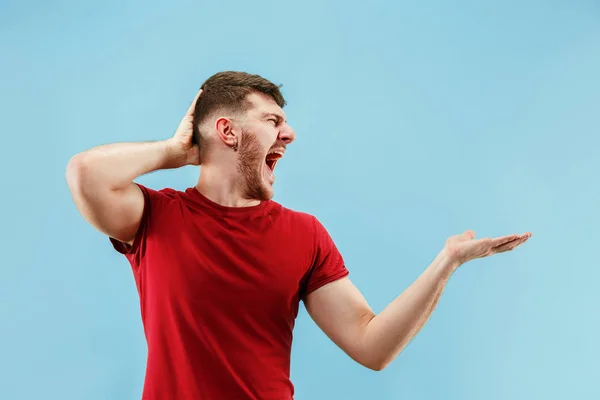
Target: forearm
388 333
115 166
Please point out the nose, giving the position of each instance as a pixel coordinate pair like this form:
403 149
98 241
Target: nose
287 134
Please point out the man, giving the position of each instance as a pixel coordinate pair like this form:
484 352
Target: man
220 268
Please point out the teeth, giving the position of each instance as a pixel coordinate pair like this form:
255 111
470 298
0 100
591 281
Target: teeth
274 155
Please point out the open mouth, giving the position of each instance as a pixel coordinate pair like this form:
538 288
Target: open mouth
272 158
271 164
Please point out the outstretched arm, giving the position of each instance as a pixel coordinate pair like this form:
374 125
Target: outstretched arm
342 312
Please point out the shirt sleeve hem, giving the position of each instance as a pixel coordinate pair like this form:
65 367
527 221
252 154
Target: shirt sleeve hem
341 274
125 248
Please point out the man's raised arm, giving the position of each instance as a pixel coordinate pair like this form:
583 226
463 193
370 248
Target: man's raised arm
101 179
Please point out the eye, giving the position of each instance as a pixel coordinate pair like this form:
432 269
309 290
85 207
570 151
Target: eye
273 120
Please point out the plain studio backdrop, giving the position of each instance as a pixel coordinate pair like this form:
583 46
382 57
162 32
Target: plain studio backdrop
415 121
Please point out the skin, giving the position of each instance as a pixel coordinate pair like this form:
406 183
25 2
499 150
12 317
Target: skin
234 174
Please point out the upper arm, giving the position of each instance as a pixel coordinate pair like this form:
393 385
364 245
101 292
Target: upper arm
116 213
342 313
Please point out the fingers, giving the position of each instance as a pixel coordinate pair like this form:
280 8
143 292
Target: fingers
512 244
495 242
190 110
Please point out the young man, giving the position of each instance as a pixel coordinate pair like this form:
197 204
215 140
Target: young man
220 268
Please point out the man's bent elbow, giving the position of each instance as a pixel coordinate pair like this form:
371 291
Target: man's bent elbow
377 367
74 172
80 177
374 364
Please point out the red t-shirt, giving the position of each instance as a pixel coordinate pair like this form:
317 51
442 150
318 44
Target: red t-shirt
219 292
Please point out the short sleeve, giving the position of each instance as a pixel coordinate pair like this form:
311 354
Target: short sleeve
328 263
154 201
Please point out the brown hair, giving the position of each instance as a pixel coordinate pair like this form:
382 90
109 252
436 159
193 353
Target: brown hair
229 90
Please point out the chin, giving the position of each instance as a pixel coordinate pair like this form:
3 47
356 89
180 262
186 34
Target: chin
259 184
267 191
260 190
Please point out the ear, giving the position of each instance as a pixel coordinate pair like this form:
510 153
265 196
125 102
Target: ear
224 127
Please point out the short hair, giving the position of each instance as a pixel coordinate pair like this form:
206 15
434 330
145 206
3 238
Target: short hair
228 91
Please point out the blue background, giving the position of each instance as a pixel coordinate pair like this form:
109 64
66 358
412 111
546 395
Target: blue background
415 121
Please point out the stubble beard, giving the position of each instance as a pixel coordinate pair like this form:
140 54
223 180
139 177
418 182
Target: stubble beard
250 160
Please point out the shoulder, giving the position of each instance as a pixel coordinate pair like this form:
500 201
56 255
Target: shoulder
165 194
301 220
159 202
299 216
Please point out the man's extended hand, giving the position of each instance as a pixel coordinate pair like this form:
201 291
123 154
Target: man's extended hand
464 247
182 143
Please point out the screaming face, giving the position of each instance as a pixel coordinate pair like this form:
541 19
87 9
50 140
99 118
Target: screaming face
262 144
256 168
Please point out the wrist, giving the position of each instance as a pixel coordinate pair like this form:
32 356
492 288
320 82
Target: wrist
174 155
446 264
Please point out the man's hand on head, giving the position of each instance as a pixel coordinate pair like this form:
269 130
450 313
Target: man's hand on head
181 147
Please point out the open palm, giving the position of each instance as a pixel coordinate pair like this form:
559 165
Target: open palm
465 247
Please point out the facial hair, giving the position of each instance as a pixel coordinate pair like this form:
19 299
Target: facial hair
250 164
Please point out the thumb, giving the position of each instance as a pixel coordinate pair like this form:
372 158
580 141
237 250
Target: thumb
470 234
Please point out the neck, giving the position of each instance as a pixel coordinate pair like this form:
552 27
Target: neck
222 187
